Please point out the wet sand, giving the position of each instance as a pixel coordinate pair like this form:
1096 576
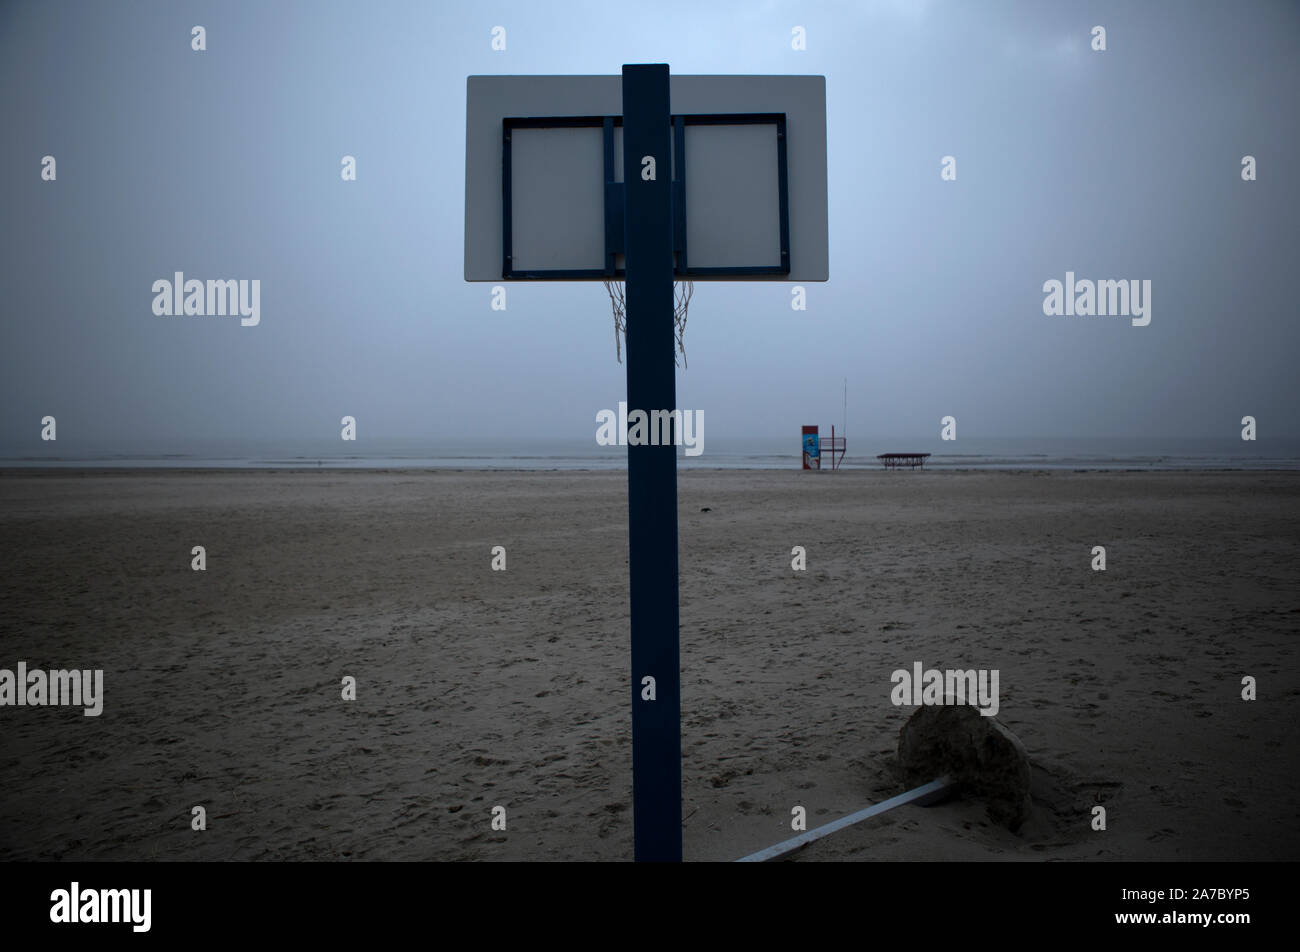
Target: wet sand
478 688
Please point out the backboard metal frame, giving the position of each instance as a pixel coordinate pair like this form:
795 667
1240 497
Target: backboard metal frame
614 197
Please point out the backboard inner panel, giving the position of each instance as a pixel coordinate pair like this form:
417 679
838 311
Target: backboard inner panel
557 197
716 186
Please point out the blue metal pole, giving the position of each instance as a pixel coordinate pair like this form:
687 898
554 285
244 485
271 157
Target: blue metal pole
652 470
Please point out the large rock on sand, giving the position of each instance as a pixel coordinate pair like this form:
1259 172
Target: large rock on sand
985 758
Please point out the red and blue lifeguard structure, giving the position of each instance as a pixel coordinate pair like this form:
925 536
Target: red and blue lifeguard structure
813 445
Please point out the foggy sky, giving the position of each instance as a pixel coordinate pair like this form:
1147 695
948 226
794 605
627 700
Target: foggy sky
225 164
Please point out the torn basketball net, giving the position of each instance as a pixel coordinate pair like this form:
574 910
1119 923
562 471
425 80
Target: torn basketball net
682 292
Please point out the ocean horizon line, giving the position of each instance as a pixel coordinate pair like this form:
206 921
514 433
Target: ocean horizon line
759 453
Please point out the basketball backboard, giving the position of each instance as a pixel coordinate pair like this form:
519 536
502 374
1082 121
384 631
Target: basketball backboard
544 178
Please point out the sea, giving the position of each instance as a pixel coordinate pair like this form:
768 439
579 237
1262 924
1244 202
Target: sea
1030 453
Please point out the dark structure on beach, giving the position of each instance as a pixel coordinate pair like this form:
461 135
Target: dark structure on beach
899 460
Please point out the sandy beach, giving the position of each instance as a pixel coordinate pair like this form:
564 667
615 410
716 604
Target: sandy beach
477 688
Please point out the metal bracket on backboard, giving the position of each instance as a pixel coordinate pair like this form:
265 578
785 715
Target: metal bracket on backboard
614 194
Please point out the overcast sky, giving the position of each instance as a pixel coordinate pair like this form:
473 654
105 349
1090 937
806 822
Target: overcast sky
226 164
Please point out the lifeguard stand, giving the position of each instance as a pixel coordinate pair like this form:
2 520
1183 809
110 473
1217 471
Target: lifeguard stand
813 444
